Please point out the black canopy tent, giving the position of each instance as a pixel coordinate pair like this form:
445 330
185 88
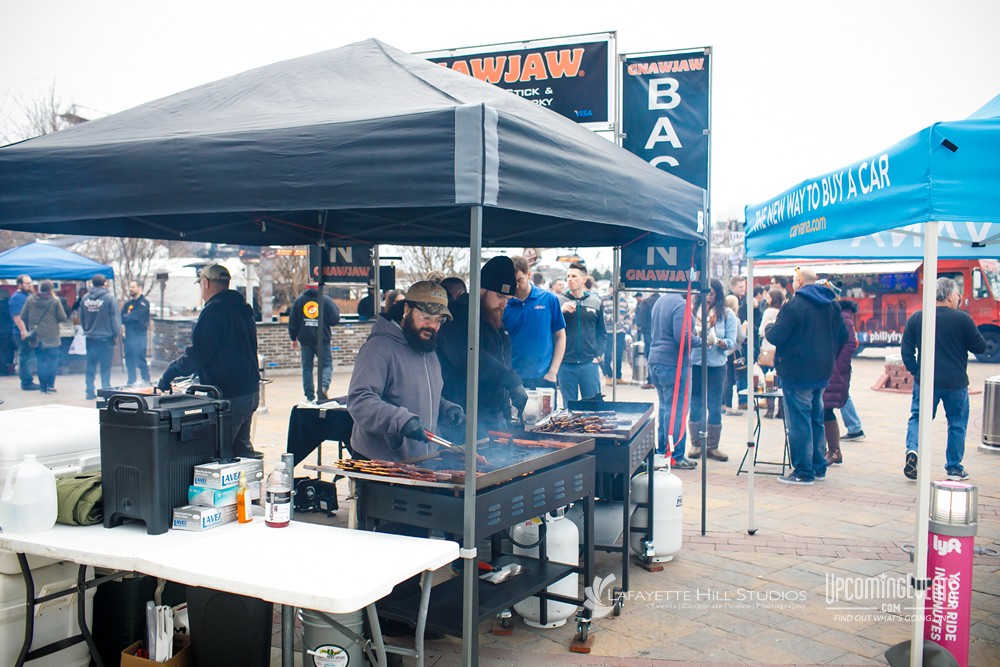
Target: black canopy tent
364 143
394 147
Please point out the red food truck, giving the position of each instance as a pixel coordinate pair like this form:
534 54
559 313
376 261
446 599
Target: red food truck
888 292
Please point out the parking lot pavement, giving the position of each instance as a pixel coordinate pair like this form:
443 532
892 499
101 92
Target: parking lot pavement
729 597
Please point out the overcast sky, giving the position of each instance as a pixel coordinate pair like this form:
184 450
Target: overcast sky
799 88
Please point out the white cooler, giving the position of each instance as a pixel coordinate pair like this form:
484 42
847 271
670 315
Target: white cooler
54 620
67 439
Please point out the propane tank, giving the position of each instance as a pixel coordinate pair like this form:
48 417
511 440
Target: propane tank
668 494
561 546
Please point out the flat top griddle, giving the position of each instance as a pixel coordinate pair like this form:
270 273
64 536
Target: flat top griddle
505 461
629 418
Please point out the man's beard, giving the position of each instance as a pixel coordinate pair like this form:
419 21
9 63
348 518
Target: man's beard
412 333
494 317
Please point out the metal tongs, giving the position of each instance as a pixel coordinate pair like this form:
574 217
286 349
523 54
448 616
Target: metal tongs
458 449
438 440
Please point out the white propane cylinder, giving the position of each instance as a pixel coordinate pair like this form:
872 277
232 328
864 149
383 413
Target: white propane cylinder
562 539
668 495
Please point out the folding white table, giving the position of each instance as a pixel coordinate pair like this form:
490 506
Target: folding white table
331 570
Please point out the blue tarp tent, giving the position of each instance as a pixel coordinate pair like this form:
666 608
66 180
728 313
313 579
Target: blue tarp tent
942 180
946 173
42 261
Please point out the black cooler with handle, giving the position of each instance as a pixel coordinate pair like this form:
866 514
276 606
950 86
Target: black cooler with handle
149 447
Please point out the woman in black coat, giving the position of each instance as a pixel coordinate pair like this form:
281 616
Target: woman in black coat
836 393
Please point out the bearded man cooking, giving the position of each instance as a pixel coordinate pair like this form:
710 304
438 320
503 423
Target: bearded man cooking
395 391
499 384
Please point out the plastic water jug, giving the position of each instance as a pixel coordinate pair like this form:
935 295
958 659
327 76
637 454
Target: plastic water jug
28 503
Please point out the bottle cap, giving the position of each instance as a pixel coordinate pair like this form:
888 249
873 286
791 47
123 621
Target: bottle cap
279 465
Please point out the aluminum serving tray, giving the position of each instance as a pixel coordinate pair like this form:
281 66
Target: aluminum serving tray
639 413
544 459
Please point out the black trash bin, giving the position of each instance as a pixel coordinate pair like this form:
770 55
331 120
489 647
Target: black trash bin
229 630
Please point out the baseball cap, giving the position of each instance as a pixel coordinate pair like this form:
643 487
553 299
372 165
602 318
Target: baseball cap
497 275
429 297
214 272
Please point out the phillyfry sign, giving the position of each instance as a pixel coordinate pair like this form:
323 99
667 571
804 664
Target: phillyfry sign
665 104
571 78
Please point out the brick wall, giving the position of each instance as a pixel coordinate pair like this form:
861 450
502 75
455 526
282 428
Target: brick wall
171 337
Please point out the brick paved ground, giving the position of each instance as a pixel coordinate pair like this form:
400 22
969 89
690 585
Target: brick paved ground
849 528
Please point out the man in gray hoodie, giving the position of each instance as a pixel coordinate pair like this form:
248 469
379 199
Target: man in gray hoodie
101 323
395 391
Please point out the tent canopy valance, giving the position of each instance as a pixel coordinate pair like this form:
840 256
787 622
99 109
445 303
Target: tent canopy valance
370 143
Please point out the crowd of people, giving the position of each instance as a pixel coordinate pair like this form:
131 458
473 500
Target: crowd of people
40 329
410 375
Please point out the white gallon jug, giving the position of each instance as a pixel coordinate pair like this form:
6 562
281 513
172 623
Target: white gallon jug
28 503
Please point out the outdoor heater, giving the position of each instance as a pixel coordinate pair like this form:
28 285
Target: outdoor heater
950 548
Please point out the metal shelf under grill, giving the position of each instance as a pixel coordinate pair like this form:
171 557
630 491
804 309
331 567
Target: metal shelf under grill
445 611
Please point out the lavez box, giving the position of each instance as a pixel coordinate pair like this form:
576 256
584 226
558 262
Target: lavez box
202 495
218 475
192 517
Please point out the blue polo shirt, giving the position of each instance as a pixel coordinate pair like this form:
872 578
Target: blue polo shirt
16 304
531 324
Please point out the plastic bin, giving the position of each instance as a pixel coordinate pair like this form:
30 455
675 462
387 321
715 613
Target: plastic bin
991 412
120 612
229 630
334 647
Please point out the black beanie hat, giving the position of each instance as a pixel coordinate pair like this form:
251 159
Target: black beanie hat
498 275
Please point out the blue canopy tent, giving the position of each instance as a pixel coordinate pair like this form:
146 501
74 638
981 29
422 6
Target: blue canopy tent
40 260
364 144
941 184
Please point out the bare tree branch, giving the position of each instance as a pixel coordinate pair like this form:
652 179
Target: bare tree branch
41 115
420 261
132 259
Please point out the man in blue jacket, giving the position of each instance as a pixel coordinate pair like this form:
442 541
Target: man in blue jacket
586 337
101 324
807 335
135 325
26 353
670 372
223 352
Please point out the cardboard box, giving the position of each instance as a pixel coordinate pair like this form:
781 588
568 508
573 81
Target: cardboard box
183 655
221 475
195 518
207 497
